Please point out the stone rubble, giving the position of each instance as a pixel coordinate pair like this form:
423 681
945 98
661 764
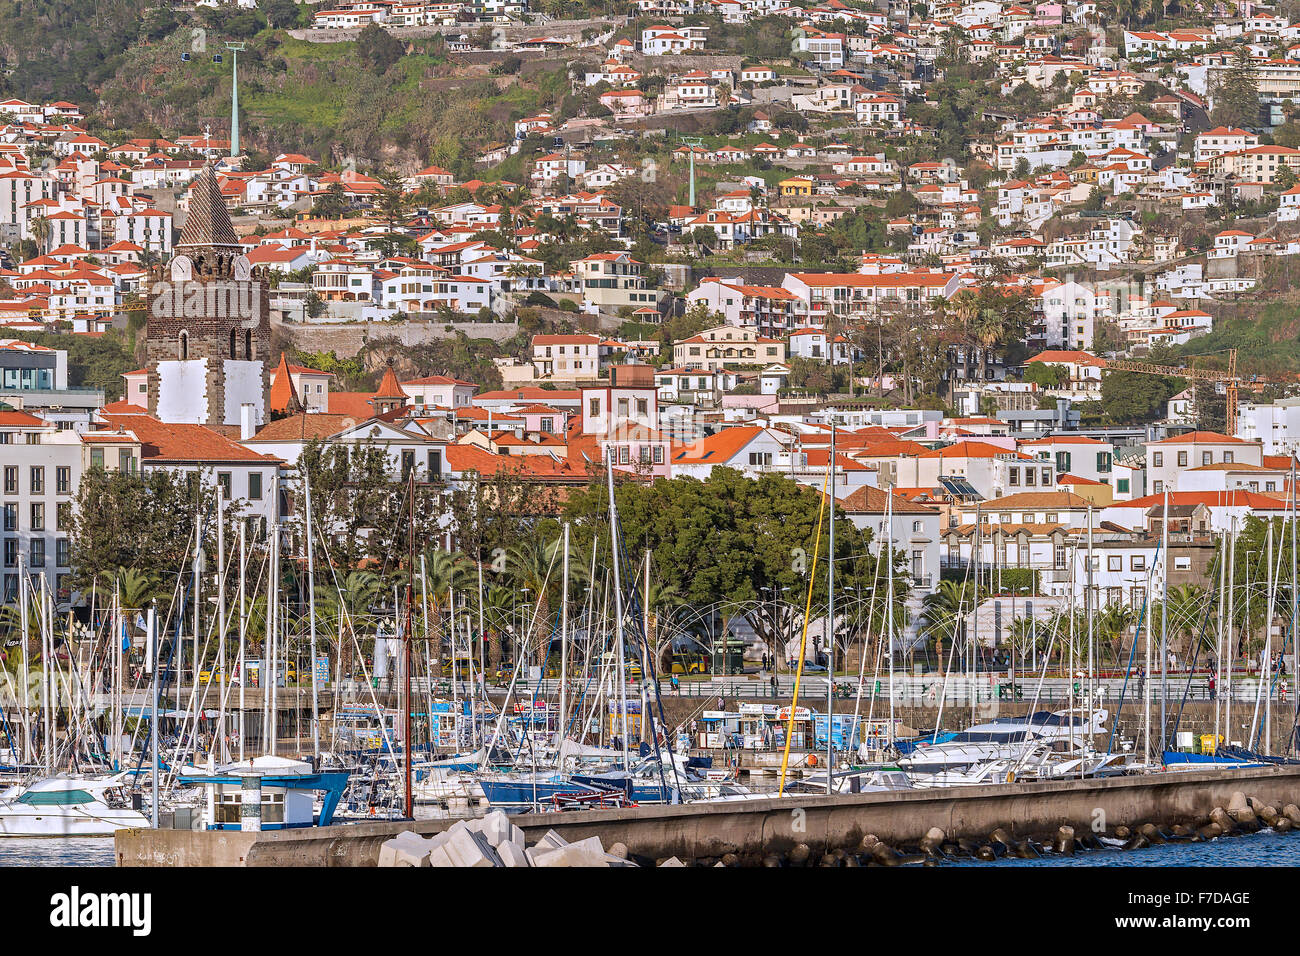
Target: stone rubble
494 841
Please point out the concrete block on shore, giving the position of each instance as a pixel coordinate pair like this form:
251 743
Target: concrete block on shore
672 861
405 849
467 848
570 855
498 829
512 855
438 856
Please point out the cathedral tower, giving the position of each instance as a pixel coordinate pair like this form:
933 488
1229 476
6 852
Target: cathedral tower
208 333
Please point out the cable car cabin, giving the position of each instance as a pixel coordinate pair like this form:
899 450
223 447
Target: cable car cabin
715 728
633 719
728 656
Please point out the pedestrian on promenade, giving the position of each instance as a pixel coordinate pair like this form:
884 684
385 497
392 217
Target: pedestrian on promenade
1210 684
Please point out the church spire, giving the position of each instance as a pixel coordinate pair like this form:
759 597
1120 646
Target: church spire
208 229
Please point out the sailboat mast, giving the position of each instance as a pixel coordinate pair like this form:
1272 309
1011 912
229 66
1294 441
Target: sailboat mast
618 606
830 626
1164 626
243 627
311 619
564 640
151 627
222 736
409 748
24 582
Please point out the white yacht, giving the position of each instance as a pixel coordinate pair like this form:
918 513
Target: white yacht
64 806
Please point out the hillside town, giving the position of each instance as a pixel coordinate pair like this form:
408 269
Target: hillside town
460 417
1075 239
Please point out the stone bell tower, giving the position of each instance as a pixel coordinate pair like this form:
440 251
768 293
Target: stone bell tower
208 332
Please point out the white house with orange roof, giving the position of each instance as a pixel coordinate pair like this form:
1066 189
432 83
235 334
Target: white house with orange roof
1083 369
668 40
1169 457
820 346
441 391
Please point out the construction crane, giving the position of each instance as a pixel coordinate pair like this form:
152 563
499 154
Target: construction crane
1196 374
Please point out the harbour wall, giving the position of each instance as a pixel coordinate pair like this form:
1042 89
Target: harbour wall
775 825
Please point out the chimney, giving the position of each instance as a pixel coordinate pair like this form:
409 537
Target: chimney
247 422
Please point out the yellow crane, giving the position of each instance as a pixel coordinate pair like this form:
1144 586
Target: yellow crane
1195 374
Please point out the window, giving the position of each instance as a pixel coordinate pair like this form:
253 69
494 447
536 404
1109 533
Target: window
11 552
62 553
593 407
1182 564
659 454
254 486
1227 458
1182 459
224 483
97 458
125 461
38 480
62 479
435 463
37 552
408 463
11 479
63 516
1158 460
1137 562
11 517
37 516
1114 562
1158 487
1207 458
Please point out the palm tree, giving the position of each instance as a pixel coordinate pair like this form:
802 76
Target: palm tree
41 230
532 564
360 591
443 572
1112 624
943 610
1186 607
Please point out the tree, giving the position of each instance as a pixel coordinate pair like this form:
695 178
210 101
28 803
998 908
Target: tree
1046 376
729 537
1133 398
144 522
332 204
378 48
1235 94
279 13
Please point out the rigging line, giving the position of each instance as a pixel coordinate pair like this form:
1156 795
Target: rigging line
1137 632
803 641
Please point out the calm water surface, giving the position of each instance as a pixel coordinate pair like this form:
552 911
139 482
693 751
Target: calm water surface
1265 848
1261 849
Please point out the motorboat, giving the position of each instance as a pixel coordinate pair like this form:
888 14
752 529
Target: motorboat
68 806
1003 737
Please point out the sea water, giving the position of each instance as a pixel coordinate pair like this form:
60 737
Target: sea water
56 851
1265 848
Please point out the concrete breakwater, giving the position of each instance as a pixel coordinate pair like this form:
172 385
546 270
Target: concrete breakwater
752 831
